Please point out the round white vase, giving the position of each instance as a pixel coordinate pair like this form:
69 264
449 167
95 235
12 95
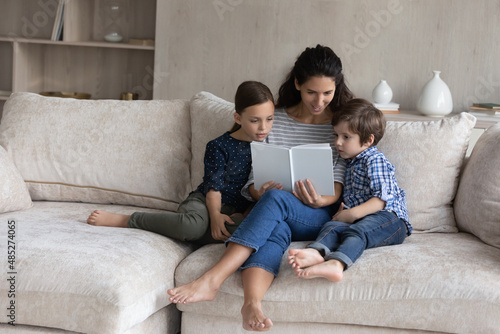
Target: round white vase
435 98
382 93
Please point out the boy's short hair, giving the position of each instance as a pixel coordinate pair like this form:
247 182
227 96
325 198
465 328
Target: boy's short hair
362 118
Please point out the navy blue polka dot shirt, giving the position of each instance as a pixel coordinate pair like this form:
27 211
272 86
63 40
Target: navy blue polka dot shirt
228 162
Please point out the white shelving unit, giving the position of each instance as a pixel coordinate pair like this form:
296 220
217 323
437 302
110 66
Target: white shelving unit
82 61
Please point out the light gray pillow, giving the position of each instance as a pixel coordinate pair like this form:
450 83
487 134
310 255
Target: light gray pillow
14 194
428 157
477 206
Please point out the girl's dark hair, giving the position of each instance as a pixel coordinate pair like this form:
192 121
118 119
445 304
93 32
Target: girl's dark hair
250 93
362 118
320 61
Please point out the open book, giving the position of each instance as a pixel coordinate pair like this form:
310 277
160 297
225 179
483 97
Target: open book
288 165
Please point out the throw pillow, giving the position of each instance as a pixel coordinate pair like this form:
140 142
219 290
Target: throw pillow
14 195
428 157
477 205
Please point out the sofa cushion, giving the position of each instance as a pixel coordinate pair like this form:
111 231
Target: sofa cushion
84 278
211 116
428 157
14 194
100 151
430 282
477 206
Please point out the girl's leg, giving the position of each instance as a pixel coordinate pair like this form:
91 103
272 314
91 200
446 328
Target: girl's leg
105 218
256 282
189 223
205 287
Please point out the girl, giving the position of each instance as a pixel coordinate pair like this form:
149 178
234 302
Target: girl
205 214
311 94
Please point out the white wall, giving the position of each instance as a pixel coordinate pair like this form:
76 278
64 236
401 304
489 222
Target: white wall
214 45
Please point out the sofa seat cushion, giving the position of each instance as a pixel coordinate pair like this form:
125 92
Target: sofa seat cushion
409 286
83 278
100 151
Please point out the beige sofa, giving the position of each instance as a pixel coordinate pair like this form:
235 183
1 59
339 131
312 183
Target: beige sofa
62 158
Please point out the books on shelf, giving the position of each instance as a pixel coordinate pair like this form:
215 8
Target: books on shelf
485 109
388 108
486 105
58 22
288 165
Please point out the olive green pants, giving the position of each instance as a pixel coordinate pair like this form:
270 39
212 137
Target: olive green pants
191 221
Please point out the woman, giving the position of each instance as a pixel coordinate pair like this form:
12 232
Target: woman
312 92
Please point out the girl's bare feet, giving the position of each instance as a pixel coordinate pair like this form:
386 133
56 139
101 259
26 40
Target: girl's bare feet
202 289
105 218
302 258
332 270
254 319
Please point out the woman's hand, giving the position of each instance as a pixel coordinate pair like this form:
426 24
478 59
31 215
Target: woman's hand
218 227
307 194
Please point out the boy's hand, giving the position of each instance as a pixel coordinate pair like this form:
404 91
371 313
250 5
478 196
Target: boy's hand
218 227
343 215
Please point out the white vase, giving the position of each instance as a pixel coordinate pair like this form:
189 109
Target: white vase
435 98
382 93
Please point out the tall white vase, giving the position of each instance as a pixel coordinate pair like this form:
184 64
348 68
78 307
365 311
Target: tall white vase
382 93
435 98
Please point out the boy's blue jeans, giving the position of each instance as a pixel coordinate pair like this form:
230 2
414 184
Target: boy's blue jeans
277 219
346 242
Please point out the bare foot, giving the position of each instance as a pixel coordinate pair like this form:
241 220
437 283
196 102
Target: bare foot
254 319
332 270
198 290
302 258
104 218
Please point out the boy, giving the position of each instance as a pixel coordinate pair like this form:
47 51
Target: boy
373 212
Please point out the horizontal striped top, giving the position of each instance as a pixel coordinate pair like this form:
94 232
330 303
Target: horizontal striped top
288 132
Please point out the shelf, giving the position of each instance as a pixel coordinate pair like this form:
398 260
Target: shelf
82 61
96 44
483 122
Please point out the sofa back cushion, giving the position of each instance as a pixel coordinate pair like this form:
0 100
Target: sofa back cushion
211 116
100 151
428 157
14 194
477 206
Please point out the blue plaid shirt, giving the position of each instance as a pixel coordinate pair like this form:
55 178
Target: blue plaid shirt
369 175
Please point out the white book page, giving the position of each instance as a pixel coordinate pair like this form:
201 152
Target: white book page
314 162
271 163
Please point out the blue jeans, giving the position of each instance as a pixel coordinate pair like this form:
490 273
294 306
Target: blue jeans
346 242
277 219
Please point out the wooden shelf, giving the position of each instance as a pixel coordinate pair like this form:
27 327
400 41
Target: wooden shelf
82 61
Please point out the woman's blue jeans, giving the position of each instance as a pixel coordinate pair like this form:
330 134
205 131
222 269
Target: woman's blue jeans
277 219
346 242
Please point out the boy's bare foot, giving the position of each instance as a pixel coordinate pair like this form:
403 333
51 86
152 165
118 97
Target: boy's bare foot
105 218
332 270
302 258
198 290
254 319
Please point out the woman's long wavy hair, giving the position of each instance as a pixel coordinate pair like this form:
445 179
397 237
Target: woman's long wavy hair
319 61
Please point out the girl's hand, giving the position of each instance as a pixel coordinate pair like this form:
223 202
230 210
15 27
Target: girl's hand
218 227
265 187
306 193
